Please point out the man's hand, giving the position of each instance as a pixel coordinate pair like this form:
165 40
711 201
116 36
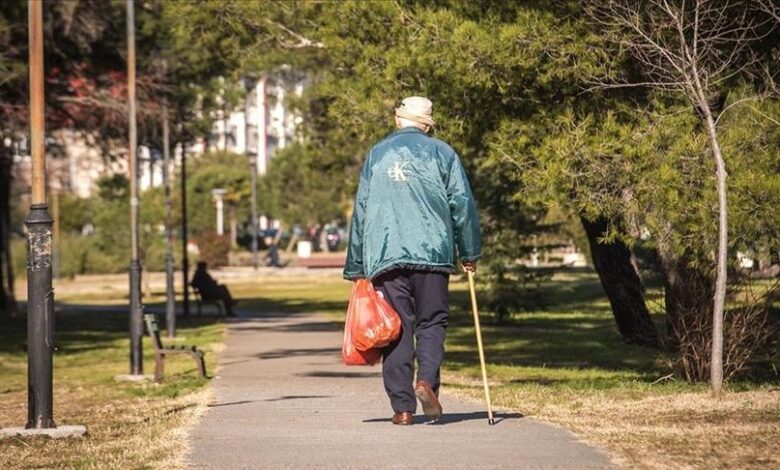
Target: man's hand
470 266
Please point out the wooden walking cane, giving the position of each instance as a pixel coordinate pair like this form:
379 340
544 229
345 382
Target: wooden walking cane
491 421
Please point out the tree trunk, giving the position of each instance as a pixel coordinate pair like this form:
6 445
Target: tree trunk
233 227
686 291
7 298
622 285
719 299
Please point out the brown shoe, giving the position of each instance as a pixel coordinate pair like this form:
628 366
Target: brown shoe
404 418
428 399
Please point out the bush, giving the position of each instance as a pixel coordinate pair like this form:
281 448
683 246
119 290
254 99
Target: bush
513 289
74 255
77 255
153 252
748 331
213 248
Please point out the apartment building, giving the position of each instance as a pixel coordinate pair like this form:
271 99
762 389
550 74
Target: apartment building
257 127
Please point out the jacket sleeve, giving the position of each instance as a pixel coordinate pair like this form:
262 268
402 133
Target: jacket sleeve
354 265
465 220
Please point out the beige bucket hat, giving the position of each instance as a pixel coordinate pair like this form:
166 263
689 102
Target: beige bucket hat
417 109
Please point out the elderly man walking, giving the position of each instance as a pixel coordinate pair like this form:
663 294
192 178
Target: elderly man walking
413 211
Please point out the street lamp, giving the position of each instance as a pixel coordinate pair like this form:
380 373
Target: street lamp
170 293
250 84
40 305
253 225
219 195
136 309
185 259
40 295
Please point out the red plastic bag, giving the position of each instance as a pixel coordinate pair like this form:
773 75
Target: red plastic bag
376 324
353 357
371 324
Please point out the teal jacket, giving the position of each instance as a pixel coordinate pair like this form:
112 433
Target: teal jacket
413 209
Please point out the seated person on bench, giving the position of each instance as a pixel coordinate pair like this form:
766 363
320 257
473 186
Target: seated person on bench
210 289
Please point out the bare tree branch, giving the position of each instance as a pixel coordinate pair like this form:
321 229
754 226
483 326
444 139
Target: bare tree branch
694 51
303 42
767 117
770 7
737 103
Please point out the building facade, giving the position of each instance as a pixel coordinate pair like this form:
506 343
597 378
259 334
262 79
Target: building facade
262 124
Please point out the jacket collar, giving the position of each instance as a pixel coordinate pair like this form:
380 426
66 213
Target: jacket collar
408 130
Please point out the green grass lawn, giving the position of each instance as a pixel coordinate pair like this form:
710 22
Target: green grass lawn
573 342
325 294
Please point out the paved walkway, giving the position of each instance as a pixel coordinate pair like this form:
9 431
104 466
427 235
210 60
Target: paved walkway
283 400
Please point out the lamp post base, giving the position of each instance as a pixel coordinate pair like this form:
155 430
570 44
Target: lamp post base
60 432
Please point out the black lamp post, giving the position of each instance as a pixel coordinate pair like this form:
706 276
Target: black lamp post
40 306
136 308
185 258
170 293
250 84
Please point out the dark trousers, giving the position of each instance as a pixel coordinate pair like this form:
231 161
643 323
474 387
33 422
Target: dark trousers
219 292
421 298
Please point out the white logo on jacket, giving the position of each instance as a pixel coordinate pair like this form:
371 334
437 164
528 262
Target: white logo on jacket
397 172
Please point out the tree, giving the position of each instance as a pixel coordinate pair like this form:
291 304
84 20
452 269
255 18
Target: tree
298 188
695 51
491 67
12 74
622 282
85 84
217 170
81 93
482 63
509 83
7 299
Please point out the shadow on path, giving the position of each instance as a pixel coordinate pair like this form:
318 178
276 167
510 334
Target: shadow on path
304 327
298 397
288 353
232 403
311 411
282 398
341 375
450 418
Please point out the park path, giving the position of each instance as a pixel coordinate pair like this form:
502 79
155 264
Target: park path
282 399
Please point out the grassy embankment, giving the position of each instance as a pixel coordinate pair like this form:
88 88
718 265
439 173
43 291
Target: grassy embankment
565 364
130 425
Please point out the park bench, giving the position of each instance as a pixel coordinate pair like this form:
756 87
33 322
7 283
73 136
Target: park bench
336 260
200 301
161 351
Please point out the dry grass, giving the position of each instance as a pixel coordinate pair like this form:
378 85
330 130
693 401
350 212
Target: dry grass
567 365
130 425
122 433
657 428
